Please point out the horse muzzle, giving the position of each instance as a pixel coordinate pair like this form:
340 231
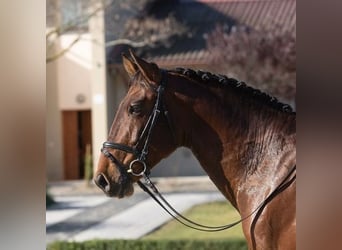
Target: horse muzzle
112 189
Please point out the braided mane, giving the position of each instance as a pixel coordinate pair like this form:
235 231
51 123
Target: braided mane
217 80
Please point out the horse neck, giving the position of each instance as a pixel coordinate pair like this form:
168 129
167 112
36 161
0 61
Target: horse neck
231 143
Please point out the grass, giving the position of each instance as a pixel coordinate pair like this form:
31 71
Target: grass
211 214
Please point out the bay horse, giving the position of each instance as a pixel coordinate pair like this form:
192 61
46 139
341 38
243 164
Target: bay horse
244 139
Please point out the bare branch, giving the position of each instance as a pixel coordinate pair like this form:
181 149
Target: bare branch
108 44
128 42
148 41
149 32
58 31
63 51
79 20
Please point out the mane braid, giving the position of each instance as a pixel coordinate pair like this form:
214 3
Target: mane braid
217 80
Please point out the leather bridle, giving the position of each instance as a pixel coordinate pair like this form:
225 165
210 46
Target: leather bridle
159 107
150 188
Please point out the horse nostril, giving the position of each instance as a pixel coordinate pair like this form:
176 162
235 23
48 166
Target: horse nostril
102 182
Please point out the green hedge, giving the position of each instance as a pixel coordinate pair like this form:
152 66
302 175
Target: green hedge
150 245
49 200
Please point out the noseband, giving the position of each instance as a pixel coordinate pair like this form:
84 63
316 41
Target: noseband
159 107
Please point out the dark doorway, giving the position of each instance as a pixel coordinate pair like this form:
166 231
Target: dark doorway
76 136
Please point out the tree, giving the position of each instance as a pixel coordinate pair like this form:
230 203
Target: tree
264 59
72 16
60 21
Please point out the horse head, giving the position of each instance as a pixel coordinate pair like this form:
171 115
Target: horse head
140 134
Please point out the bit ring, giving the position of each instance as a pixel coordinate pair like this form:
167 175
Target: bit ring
131 171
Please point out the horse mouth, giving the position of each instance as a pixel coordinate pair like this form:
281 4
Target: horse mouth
112 189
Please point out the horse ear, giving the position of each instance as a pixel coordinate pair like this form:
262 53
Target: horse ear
129 65
149 70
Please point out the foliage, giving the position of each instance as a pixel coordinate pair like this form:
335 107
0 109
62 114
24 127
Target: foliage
88 166
126 24
154 31
150 245
49 199
265 59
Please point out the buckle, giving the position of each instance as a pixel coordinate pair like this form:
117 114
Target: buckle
137 162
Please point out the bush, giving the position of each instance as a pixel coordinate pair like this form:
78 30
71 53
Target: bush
49 199
265 59
88 166
150 245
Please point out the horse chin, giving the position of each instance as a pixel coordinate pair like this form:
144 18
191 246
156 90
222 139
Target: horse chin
126 191
121 191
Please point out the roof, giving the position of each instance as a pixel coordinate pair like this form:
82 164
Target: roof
200 17
259 14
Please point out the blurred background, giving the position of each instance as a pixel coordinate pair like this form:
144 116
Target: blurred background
23 117
251 40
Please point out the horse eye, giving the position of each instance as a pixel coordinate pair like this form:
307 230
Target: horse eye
135 109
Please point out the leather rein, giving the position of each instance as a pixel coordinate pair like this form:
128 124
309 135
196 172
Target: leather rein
150 188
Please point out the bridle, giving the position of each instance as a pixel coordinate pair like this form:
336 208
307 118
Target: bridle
150 188
159 107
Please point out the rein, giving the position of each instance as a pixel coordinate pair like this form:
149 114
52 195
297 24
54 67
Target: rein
150 188
157 196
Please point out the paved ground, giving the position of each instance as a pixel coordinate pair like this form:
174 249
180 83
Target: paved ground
83 212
